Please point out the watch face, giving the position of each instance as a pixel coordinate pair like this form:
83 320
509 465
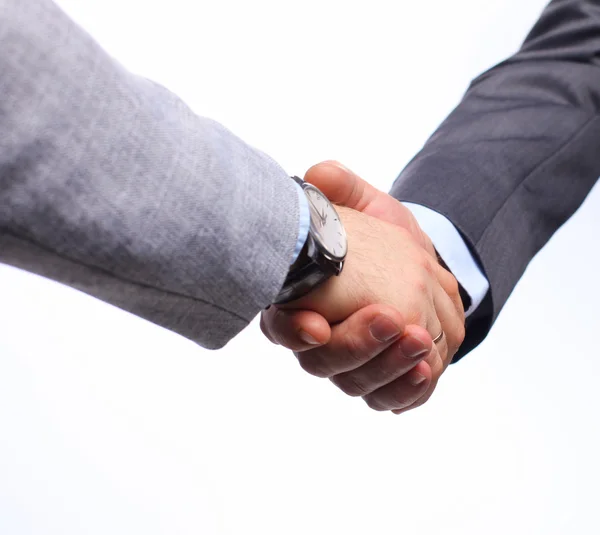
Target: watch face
326 225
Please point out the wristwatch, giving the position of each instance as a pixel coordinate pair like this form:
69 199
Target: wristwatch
323 253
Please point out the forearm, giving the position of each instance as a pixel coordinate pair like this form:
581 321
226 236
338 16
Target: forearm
521 151
112 185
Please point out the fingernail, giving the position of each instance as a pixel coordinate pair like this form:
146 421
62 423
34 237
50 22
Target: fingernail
308 339
417 379
413 348
383 329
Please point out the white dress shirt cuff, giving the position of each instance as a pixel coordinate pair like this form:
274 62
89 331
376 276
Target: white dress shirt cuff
303 222
453 249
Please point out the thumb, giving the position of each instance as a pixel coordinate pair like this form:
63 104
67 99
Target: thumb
342 186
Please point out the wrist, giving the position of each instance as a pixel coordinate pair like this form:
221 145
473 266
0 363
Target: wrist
303 225
455 253
464 295
321 247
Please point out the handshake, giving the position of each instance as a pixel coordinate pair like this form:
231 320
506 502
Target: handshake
389 325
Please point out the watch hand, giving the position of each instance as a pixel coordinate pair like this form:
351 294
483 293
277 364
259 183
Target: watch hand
316 209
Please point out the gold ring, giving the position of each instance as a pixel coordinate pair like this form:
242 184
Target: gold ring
438 337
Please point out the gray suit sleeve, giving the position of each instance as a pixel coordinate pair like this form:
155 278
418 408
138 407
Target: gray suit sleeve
519 154
110 184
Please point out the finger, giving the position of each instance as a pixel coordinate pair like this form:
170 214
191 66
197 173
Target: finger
450 285
297 330
401 357
451 323
434 328
356 340
436 373
419 402
342 186
265 329
402 392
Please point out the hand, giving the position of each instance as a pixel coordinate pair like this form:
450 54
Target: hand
382 371
370 350
384 265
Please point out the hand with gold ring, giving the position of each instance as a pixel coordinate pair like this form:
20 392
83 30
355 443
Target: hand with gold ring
438 338
381 353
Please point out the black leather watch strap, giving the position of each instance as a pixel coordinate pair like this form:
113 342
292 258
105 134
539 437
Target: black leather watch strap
300 282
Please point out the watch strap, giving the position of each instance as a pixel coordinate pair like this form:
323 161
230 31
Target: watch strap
304 276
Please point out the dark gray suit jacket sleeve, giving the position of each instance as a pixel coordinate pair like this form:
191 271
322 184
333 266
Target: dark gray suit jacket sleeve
520 153
110 184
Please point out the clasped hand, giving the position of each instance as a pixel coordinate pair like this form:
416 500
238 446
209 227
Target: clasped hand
370 330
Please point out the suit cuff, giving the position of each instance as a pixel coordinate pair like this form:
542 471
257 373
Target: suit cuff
452 248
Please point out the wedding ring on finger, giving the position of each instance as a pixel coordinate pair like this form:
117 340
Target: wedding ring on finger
438 337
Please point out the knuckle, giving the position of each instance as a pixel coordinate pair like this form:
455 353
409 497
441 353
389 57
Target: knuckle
425 262
452 286
418 315
447 281
421 283
417 307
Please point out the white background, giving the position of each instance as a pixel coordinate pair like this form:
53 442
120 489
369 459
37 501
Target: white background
109 424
